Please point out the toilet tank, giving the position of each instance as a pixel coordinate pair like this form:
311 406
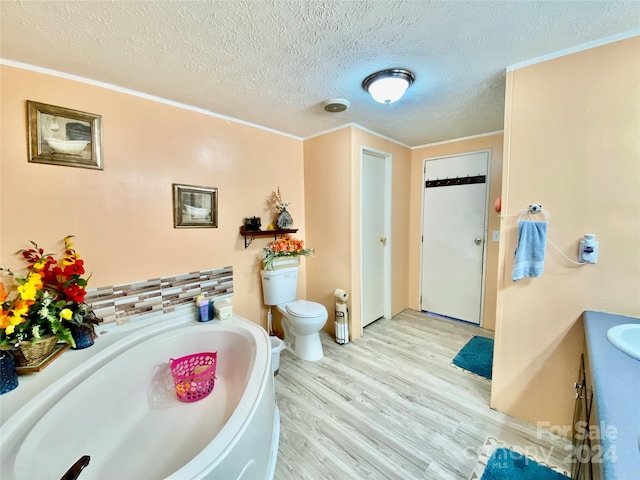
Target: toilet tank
279 286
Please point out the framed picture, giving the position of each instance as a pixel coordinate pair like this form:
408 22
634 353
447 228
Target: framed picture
61 136
195 207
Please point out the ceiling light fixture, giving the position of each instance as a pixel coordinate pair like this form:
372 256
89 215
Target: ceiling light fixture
388 86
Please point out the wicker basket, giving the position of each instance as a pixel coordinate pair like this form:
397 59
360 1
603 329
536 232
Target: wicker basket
28 353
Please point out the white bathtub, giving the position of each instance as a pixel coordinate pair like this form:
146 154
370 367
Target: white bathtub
119 407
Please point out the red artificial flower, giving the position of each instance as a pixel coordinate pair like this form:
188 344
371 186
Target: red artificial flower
75 268
75 293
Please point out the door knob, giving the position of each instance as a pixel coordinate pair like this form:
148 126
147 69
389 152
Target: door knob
383 240
477 241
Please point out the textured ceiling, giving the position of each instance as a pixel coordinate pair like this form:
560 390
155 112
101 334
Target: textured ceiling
273 63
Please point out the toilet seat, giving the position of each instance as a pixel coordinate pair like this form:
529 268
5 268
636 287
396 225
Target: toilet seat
305 309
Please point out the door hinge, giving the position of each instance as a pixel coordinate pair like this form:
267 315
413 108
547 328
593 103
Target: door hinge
422 238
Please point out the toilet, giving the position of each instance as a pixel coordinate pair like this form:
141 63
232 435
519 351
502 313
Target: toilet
301 320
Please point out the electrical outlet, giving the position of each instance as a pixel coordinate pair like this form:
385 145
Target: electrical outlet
495 235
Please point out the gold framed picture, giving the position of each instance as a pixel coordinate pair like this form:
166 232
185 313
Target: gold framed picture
195 207
62 136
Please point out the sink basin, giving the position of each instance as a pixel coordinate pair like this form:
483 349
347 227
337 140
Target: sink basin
626 338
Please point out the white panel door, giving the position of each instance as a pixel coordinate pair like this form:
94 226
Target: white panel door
454 232
372 237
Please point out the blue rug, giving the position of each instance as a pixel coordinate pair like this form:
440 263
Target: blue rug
506 464
476 356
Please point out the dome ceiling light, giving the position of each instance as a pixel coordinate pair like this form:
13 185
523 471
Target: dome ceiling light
388 86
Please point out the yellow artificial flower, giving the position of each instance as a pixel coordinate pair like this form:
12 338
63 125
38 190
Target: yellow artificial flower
27 291
20 308
9 330
70 259
66 314
35 279
39 265
15 320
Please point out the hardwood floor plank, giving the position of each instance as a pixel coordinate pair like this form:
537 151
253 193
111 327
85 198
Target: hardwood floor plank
390 406
368 427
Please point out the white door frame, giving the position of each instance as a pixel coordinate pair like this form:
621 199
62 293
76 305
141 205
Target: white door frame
486 223
388 164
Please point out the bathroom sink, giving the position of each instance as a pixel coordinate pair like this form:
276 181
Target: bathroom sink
626 338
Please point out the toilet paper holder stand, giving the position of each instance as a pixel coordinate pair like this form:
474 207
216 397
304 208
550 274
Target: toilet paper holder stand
341 316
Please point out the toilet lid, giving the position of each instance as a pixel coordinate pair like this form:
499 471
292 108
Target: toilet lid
302 308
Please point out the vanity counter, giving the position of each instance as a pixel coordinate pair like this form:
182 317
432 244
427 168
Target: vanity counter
616 389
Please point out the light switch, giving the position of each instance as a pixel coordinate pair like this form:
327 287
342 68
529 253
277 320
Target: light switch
495 235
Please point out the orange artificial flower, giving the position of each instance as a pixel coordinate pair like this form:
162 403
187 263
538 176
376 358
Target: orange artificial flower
3 293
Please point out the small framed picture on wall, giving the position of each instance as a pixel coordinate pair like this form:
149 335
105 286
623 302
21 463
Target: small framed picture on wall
195 207
62 136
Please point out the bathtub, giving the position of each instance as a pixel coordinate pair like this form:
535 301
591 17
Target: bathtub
119 407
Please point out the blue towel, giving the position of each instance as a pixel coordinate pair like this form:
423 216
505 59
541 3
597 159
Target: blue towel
532 242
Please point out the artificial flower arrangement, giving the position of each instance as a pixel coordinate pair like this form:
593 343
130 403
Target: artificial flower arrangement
286 246
48 300
279 204
283 220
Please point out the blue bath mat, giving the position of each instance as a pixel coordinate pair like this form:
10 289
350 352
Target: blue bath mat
476 356
506 464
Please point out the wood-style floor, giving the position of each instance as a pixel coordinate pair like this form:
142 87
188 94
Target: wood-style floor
390 406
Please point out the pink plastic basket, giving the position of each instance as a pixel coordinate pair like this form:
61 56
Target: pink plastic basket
194 375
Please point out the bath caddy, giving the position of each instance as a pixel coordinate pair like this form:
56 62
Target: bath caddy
194 376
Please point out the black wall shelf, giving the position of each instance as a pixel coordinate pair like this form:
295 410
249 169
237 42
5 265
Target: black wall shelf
250 235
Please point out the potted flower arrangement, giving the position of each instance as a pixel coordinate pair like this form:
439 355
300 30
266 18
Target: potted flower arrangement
47 306
285 247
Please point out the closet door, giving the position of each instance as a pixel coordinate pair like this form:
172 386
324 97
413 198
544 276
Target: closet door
453 236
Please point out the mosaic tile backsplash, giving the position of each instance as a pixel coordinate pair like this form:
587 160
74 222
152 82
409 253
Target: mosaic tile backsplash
133 301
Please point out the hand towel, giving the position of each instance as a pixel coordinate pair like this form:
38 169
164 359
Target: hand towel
529 254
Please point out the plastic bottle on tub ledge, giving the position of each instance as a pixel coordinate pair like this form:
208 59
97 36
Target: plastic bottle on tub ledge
203 309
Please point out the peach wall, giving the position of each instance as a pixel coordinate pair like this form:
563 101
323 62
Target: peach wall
326 174
418 155
571 144
122 216
332 197
400 178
